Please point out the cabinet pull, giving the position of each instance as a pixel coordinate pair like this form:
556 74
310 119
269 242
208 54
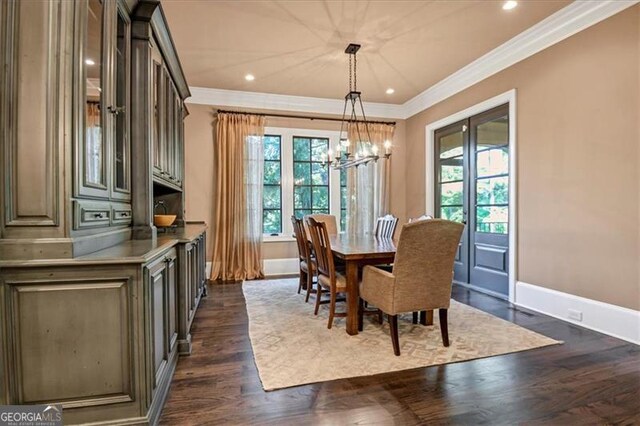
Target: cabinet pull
124 214
98 215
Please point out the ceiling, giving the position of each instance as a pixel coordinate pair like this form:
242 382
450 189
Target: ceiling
297 47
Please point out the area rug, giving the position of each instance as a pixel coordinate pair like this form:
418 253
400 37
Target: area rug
293 347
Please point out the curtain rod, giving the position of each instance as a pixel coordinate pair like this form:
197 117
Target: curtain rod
304 117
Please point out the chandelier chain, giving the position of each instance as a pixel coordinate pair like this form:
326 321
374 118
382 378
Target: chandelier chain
355 73
349 73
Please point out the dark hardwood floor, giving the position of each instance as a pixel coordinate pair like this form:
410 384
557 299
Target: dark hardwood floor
590 379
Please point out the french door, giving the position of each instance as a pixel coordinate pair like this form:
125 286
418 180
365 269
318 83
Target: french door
472 187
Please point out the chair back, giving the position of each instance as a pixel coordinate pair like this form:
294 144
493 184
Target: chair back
321 247
386 226
423 217
328 219
304 252
423 266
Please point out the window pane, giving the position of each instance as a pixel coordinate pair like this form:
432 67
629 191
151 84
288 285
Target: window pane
451 194
319 149
492 219
301 174
271 197
493 162
319 174
272 148
343 197
301 213
493 133
343 177
320 197
302 197
451 213
271 222
301 149
343 220
492 191
451 145
321 211
451 169
272 172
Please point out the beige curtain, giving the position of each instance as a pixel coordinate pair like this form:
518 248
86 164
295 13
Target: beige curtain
238 170
368 185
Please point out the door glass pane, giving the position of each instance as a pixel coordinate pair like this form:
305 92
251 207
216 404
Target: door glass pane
94 146
157 115
451 194
493 133
451 145
451 169
492 219
493 162
492 191
452 213
122 132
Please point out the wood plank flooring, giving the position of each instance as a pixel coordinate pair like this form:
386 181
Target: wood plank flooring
591 379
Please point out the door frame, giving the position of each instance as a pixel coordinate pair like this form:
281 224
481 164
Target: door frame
506 97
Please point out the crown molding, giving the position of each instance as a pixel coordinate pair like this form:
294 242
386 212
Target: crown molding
566 22
239 99
575 17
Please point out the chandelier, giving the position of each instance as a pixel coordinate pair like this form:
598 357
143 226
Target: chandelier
366 149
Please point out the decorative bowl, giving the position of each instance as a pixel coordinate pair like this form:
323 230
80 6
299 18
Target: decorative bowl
163 220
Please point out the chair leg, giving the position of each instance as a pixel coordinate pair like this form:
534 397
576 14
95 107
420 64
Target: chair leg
415 317
360 314
380 320
393 326
332 308
318 297
426 317
309 286
444 326
302 279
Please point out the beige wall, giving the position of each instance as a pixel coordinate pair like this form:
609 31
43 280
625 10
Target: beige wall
578 142
199 134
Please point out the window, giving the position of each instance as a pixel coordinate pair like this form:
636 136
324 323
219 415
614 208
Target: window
272 186
296 182
310 176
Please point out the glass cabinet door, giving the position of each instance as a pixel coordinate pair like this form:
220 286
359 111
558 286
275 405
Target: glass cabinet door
158 113
167 164
92 173
122 143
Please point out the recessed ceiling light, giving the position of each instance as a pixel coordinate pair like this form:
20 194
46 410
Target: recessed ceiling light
390 91
249 77
510 4
89 62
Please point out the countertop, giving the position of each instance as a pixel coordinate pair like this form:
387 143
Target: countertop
132 251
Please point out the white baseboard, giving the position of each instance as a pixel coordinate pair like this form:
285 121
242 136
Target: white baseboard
208 269
273 267
613 320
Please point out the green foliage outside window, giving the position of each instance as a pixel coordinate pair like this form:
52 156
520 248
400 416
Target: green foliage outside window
310 177
271 190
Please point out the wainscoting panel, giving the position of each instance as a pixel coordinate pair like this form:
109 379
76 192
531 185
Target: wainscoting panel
275 267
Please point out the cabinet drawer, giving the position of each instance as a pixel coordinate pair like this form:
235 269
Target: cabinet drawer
121 214
91 215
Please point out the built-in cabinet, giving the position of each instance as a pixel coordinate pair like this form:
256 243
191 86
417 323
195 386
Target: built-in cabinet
95 305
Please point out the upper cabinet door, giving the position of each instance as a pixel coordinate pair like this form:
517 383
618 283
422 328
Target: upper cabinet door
121 188
92 90
102 100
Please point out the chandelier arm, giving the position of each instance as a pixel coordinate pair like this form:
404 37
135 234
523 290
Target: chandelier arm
344 112
354 118
364 118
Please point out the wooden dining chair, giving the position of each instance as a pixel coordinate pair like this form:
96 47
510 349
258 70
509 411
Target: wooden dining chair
328 277
307 263
386 226
421 278
328 219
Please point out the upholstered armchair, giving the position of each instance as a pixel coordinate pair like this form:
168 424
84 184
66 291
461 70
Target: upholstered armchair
421 277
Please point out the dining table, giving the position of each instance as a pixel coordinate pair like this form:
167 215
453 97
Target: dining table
357 251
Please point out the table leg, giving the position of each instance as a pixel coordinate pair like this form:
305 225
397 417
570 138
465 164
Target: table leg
353 295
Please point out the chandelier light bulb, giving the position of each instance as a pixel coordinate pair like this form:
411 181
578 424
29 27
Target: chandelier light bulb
374 149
